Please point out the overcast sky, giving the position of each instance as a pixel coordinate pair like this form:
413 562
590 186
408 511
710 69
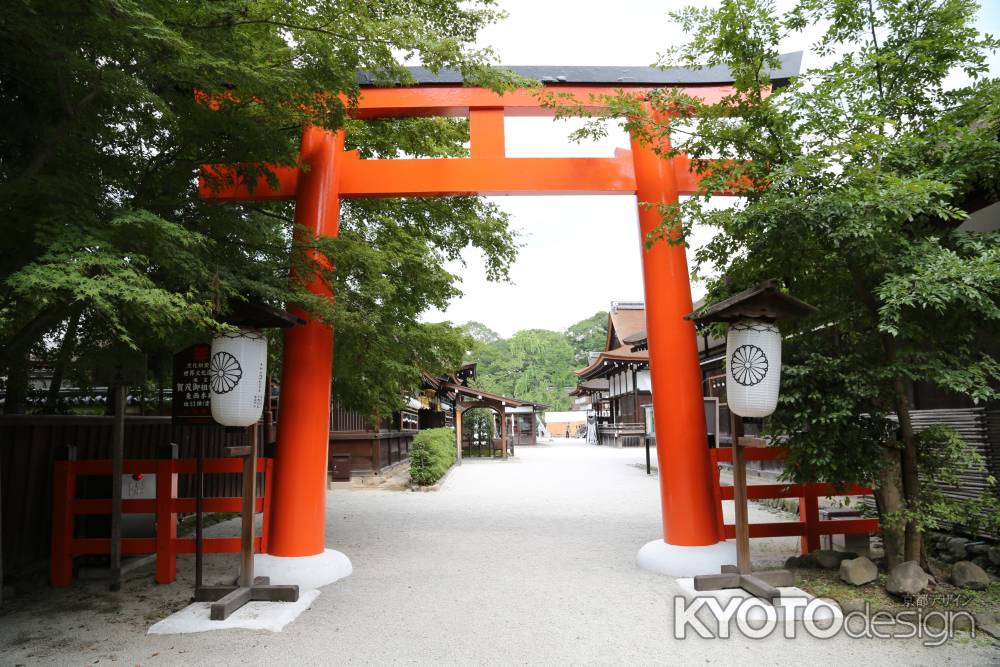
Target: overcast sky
579 252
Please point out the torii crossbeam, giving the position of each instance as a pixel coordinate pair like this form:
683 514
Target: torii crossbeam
689 508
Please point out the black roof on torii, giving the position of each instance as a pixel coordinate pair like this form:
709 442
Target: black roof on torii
605 75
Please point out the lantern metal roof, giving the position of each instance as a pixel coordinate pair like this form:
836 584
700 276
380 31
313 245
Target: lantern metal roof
256 314
763 302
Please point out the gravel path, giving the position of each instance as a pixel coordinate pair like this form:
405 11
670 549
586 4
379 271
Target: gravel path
529 561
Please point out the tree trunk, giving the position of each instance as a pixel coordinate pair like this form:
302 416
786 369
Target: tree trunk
910 469
889 495
65 356
21 341
908 480
16 402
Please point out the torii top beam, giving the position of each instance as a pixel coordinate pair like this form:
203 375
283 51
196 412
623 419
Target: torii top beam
487 170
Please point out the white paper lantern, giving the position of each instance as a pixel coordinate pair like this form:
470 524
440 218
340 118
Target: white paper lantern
237 372
753 367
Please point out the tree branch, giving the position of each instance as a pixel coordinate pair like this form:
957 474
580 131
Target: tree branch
55 138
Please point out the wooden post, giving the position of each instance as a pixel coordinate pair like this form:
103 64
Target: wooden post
689 511
1 528
265 524
458 433
809 515
376 450
228 599
117 464
503 432
166 518
740 497
635 397
199 514
761 584
304 426
63 520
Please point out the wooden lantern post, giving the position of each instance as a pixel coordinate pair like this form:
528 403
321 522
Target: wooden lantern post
228 598
762 303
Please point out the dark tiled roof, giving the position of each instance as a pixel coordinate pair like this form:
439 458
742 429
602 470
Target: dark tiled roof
601 75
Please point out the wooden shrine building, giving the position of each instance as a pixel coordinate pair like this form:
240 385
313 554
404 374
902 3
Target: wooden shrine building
617 379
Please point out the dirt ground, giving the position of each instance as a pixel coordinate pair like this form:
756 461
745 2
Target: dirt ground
530 561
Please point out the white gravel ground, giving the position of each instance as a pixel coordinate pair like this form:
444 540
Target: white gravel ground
529 561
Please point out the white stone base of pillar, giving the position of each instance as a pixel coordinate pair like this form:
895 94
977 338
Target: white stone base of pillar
307 572
677 561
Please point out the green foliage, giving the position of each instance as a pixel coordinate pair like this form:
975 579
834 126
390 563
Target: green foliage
431 455
589 335
533 364
101 138
857 171
480 333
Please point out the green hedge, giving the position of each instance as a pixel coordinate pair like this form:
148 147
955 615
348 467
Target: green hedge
431 454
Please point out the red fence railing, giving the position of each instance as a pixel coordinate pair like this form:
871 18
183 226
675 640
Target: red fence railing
166 506
809 526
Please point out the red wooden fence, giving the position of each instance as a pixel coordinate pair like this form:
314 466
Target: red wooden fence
166 544
808 527
31 444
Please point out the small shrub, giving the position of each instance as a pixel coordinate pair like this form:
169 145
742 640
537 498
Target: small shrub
431 454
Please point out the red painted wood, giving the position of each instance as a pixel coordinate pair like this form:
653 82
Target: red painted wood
487 171
299 486
809 515
265 530
166 522
486 133
166 545
690 510
725 454
809 527
797 528
760 491
63 519
150 466
458 100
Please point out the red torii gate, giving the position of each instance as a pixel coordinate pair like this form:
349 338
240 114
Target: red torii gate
690 511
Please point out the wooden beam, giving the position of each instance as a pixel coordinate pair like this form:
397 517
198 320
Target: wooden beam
491 176
486 133
486 172
222 182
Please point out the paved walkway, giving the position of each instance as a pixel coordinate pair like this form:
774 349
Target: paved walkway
529 561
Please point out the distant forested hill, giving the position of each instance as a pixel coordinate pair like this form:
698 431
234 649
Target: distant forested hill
535 364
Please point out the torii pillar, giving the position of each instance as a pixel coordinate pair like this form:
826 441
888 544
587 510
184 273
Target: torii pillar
690 543
299 488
